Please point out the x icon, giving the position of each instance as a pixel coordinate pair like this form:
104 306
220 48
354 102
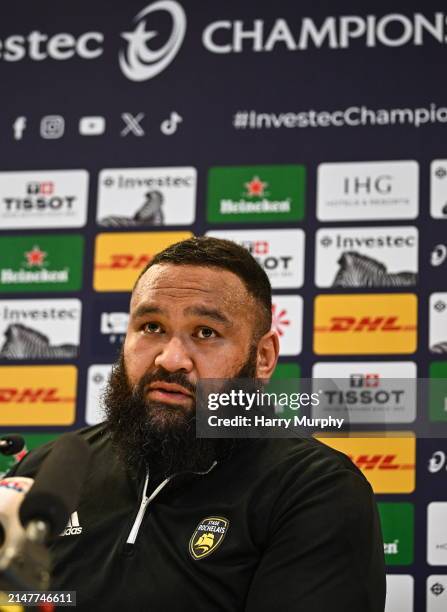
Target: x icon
132 124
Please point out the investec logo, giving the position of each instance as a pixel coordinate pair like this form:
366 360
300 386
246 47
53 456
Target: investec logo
366 257
362 324
120 257
141 197
43 199
387 462
279 252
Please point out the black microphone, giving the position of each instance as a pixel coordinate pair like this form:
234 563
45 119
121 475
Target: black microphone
57 488
11 444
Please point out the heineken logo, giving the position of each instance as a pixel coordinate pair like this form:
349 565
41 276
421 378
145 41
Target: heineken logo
48 263
35 257
256 193
255 187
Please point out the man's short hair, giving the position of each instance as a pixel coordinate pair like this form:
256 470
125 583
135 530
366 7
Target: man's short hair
227 255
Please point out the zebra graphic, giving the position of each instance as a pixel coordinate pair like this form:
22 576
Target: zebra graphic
439 347
357 270
25 343
150 213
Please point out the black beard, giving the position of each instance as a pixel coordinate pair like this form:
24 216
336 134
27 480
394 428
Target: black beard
161 436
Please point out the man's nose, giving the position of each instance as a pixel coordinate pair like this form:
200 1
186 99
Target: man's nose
174 357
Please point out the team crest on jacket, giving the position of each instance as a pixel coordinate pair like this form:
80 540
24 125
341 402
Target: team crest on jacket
208 536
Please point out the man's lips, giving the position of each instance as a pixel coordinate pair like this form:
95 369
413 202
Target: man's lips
169 393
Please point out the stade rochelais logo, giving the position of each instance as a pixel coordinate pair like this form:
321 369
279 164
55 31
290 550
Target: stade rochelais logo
149 47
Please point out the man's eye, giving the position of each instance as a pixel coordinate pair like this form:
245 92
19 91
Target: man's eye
151 328
206 332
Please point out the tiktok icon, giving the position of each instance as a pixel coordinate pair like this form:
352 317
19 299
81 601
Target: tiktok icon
169 126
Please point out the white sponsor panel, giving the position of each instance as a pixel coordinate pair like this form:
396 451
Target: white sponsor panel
399 593
97 377
438 188
279 252
367 391
368 190
287 320
39 329
43 199
146 197
438 323
437 533
436 593
366 257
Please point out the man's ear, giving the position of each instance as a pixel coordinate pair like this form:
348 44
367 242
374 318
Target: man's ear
267 355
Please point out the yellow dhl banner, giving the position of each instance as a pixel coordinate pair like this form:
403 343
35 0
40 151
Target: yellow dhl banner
365 324
119 258
388 462
37 395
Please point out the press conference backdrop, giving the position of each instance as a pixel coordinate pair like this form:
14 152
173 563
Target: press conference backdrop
314 136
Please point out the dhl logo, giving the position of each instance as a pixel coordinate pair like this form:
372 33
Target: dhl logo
379 462
388 462
120 257
125 261
30 395
40 401
365 324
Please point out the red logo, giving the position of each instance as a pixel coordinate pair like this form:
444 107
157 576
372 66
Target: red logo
379 462
30 396
125 261
368 324
255 187
35 257
46 188
279 319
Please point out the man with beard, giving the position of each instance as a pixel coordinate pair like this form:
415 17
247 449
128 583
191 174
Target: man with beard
171 522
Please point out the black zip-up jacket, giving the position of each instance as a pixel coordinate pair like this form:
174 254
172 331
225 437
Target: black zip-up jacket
281 525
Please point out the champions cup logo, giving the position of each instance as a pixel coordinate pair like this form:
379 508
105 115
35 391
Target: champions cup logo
365 324
30 396
139 62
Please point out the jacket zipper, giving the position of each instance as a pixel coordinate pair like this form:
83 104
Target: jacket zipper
145 501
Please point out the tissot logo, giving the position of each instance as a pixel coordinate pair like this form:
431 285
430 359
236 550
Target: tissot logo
366 392
279 252
46 198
